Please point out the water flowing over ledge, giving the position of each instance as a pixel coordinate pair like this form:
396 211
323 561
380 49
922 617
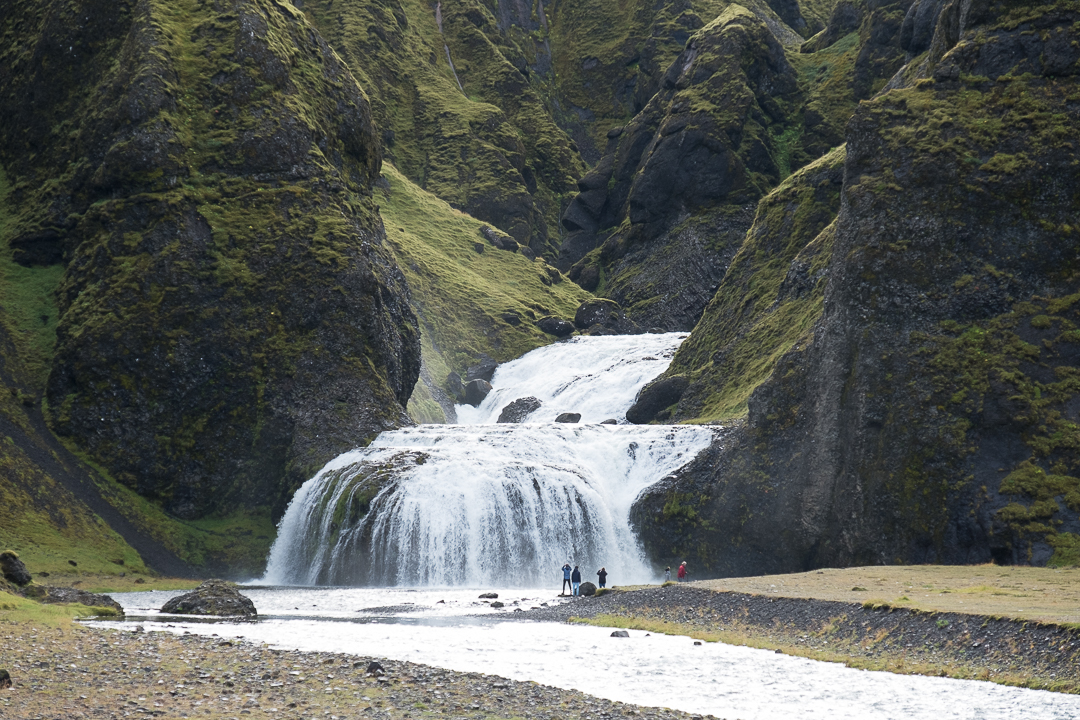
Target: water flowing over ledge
482 503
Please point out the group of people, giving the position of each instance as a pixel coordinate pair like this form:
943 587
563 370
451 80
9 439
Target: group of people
572 577
680 574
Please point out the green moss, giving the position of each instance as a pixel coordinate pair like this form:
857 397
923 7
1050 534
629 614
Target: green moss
748 326
460 294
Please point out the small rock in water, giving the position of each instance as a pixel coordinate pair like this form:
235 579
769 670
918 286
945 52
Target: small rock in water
568 418
697 642
441 602
620 633
489 596
497 604
518 410
609 421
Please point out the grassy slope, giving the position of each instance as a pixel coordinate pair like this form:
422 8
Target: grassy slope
462 295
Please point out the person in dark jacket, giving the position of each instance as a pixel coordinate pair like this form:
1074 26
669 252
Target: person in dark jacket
575 577
566 578
602 573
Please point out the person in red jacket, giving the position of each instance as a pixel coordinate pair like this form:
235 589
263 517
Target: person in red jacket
682 572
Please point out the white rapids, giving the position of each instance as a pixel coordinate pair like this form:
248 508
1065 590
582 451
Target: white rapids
445 505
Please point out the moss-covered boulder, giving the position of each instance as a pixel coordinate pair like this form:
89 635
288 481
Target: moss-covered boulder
230 315
929 415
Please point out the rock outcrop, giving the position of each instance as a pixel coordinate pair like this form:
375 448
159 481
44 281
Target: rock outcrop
13 569
519 409
70 595
221 250
927 415
213 597
662 214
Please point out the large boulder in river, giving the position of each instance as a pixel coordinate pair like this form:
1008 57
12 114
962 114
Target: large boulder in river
568 418
213 597
476 391
656 397
518 410
13 569
604 317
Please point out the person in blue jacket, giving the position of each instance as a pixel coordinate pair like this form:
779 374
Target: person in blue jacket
576 578
566 578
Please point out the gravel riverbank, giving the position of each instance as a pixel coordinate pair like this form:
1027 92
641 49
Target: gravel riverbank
870 635
77 672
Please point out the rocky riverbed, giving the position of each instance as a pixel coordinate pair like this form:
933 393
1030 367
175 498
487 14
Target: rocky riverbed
870 635
78 672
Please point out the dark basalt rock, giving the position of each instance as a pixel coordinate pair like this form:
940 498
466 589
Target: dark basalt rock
568 418
489 596
5 679
203 337
483 370
655 397
600 315
213 597
499 239
587 589
57 595
555 326
13 568
518 410
476 391
609 421
912 421
620 634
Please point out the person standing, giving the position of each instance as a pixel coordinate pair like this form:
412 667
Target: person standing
667 574
565 578
575 577
602 574
682 572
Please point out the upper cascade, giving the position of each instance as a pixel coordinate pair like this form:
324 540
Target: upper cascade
596 377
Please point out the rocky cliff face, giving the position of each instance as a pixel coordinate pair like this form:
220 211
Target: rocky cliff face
229 315
930 412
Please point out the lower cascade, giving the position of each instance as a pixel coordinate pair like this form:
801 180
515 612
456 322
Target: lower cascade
481 504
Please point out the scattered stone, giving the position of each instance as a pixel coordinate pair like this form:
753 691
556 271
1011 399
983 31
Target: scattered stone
455 387
72 563
213 597
587 589
697 642
609 421
489 596
518 410
555 326
620 633
375 668
5 680
476 391
13 568
497 604
568 418
510 317
656 397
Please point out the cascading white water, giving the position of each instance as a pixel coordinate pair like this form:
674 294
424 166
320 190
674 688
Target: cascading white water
479 504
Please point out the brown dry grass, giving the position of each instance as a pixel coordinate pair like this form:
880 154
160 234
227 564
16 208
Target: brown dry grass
1026 593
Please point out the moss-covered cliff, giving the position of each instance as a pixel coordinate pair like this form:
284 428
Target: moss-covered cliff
928 414
229 316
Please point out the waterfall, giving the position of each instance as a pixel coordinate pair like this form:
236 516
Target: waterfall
483 504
